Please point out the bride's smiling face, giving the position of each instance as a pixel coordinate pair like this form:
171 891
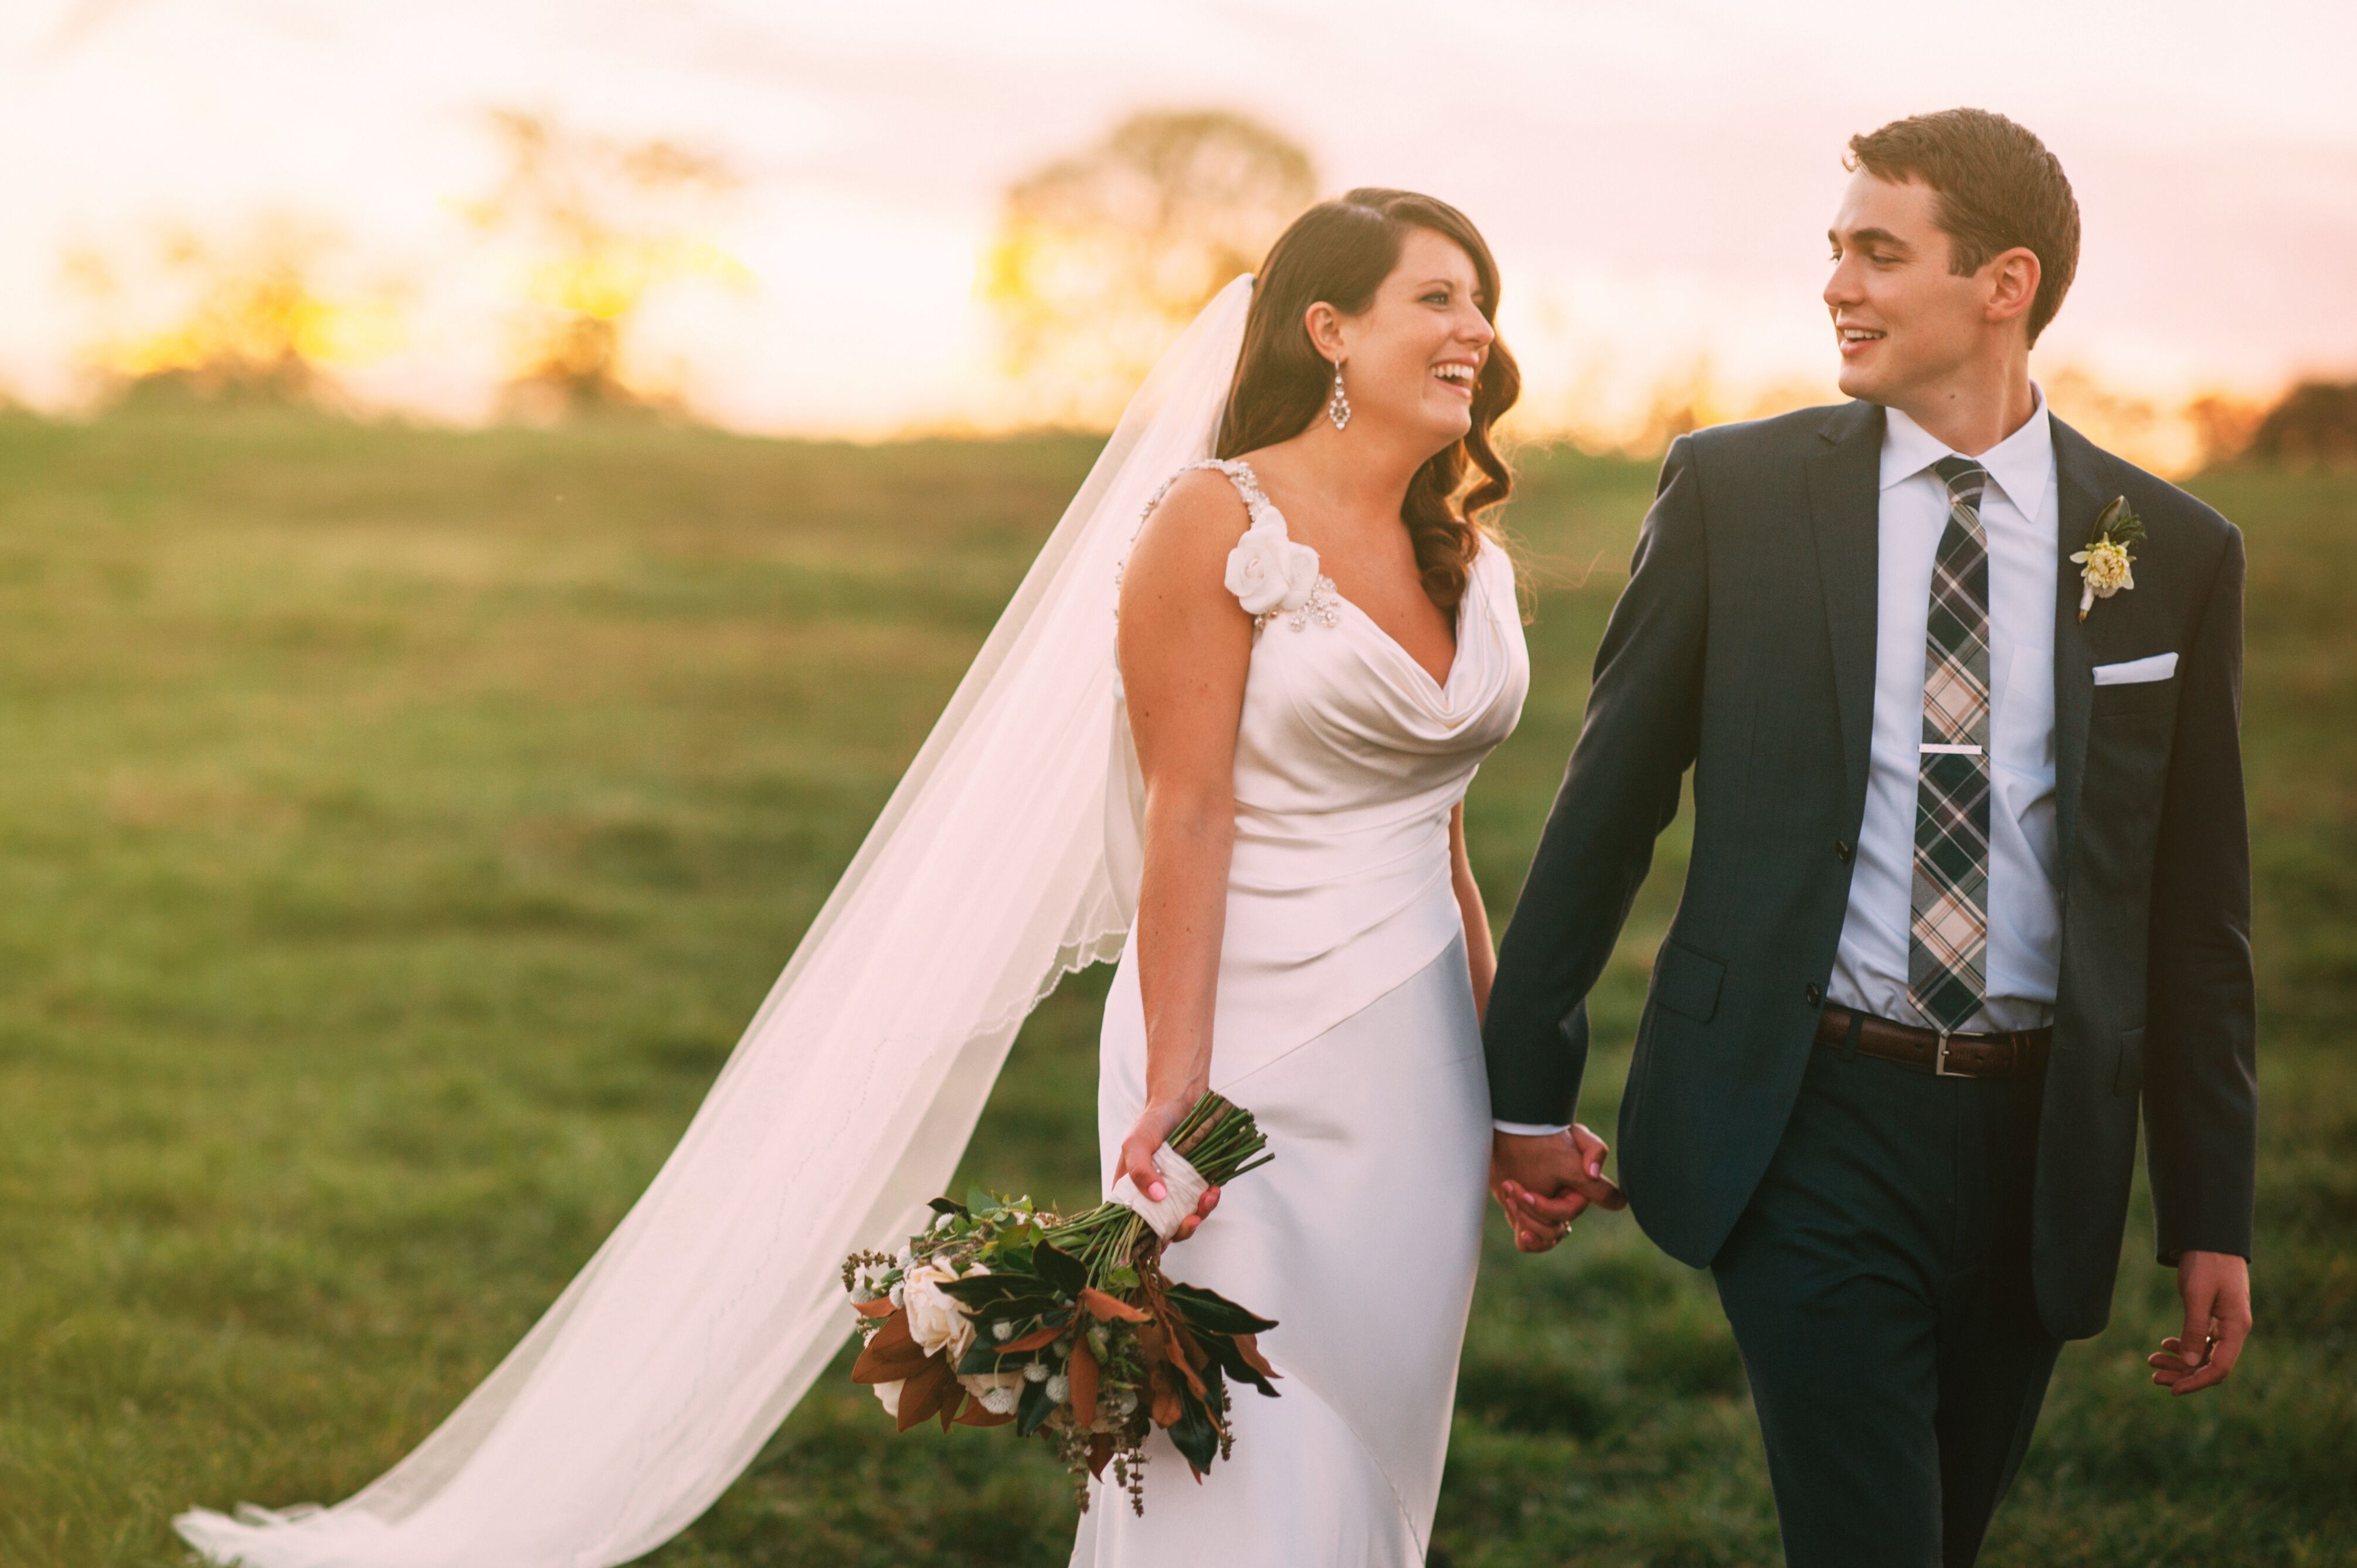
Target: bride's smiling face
1411 359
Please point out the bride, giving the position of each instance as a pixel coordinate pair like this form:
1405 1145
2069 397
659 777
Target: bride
1241 772
1318 647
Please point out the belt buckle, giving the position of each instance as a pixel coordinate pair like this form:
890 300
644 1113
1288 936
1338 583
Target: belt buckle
1939 1061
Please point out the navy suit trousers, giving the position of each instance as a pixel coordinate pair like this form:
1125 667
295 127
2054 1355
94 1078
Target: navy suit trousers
1879 1287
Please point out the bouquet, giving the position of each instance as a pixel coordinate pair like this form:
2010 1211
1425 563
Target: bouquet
999 1313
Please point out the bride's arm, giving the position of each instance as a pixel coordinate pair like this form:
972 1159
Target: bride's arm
1480 952
1185 645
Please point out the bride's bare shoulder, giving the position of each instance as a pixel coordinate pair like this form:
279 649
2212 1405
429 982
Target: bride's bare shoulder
1200 501
1186 535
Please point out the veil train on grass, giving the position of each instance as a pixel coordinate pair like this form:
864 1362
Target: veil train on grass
1007 858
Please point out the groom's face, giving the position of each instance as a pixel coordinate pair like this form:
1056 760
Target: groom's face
1904 323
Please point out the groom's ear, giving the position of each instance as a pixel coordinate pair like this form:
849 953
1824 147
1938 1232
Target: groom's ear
2013 278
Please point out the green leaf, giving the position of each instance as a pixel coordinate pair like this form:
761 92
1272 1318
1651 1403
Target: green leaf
1212 1311
998 1292
1033 1408
1120 1277
949 1206
1194 1436
1059 1269
975 1198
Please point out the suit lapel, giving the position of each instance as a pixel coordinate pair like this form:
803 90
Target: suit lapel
2079 488
1845 514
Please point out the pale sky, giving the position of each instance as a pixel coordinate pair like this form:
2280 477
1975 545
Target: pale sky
1655 180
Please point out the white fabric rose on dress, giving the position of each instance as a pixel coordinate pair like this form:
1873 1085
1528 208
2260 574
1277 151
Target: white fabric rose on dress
1266 571
935 1320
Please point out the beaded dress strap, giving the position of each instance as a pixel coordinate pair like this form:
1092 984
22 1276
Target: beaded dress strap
1257 506
1262 511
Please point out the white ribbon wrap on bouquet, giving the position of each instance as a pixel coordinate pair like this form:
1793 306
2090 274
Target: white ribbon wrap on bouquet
1002 860
1183 1187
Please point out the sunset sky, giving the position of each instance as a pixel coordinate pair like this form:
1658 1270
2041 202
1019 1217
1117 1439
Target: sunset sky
1656 180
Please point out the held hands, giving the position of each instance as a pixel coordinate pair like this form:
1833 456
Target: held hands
2216 1290
1152 1131
1545 1182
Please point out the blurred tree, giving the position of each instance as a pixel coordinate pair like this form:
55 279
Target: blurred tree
245 320
603 225
1101 258
2315 422
2223 424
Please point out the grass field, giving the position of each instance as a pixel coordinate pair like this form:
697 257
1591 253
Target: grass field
397 828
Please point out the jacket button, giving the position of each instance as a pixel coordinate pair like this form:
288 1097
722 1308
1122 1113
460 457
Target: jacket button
1842 851
1813 991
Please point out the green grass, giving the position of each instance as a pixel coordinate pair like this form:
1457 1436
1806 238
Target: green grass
397 827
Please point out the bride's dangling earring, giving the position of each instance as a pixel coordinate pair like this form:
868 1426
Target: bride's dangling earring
1338 407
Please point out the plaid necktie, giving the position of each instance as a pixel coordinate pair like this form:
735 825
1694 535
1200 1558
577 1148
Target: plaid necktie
1948 935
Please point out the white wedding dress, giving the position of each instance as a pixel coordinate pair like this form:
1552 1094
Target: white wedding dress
1345 1023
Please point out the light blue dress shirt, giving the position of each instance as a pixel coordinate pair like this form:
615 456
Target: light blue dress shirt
2020 512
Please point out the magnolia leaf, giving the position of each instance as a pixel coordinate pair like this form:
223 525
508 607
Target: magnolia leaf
1106 1308
1059 1269
880 1307
1195 1436
1080 1373
983 1357
1248 1346
1044 1334
1158 1345
1229 1355
948 1205
1100 1453
1003 1296
922 1394
1169 1397
890 1355
953 1399
977 1413
1211 1311
1033 1408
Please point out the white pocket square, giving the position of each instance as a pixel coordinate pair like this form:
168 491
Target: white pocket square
2160 667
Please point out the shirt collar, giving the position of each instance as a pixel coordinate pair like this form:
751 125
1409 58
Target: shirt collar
2020 465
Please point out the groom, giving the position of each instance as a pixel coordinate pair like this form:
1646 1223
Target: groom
1970 883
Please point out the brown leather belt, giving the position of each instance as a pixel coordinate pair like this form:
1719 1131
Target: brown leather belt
2019 1052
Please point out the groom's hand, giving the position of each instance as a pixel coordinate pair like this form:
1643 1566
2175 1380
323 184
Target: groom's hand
1545 1182
2216 1290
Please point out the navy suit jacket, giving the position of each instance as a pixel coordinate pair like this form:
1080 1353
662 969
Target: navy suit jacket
1743 649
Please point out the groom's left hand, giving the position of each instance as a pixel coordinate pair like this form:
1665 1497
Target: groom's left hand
2216 1290
1545 1182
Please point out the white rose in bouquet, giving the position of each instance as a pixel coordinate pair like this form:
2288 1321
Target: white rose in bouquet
935 1320
1268 572
888 1396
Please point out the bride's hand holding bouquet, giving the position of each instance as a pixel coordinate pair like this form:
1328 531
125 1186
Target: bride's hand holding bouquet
1155 1125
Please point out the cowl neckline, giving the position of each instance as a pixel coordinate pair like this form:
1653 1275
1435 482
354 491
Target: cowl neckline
1440 689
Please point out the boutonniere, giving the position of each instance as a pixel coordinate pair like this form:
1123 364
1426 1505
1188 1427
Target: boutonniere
2103 566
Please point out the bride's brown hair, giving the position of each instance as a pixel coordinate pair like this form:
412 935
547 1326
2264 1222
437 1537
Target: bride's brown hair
1340 252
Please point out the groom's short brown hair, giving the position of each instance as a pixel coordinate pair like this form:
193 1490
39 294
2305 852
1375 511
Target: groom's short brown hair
1998 188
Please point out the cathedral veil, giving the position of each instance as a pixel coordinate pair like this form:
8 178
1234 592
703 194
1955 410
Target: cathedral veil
1002 862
